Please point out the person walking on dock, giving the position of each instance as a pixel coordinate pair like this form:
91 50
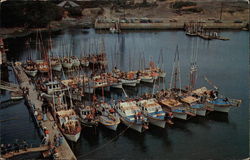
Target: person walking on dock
60 139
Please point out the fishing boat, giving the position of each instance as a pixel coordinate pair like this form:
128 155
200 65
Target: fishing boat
145 77
53 91
84 62
131 115
67 63
221 103
87 115
108 117
42 66
204 93
195 105
179 111
16 95
30 68
75 61
56 64
153 111
69 124
114 82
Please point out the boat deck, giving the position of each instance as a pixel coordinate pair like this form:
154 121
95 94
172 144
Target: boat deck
64 151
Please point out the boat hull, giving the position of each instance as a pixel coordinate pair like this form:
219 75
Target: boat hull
113 126
67 65
157 122
224 109
182 116
201 112
117 85
136 127
148 80
72 137
162 75
131 83
31 73
57 67
76 63
85 63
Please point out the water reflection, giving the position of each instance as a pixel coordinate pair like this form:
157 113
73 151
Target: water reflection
218 60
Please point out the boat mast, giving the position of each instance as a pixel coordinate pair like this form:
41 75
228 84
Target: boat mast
176 71
193 66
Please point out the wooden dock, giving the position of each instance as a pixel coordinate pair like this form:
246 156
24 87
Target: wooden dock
29 150
64 151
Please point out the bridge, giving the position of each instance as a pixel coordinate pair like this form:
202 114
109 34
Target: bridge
28 150
9 86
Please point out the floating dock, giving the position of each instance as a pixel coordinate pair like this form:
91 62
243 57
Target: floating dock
64 151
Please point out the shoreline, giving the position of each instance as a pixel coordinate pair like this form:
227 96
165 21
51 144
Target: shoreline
58 26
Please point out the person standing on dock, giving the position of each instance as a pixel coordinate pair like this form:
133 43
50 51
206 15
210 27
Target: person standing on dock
60 139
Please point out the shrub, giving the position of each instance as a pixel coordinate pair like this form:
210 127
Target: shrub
180 4
30 14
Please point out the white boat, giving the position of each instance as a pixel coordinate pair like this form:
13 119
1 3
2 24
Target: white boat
72 137
69 124
56 64
128 82
108 116
30 68
194 105
87 116
84 62
57 67
117 85
177 108
219 104
67 63
138 81
162 74
153 111
147 79
75 61
131 115
42 66
31 73
16 95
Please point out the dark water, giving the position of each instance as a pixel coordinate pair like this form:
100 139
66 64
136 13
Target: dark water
216 136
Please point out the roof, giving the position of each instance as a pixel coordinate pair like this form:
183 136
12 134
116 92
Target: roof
72 4
200 91
170 102
189 99
64 113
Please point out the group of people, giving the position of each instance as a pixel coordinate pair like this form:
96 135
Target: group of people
7 148
58 140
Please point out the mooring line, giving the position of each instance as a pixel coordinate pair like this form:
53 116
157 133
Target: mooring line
104 144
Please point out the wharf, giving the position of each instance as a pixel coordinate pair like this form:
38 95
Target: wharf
29 150
64 151
164 24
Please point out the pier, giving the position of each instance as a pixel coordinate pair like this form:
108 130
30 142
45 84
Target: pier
162 24
28 150
64 151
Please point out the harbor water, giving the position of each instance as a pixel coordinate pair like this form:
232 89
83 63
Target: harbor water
216 136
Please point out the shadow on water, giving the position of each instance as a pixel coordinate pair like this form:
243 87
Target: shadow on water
136 138
182 126
218 117
161 134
